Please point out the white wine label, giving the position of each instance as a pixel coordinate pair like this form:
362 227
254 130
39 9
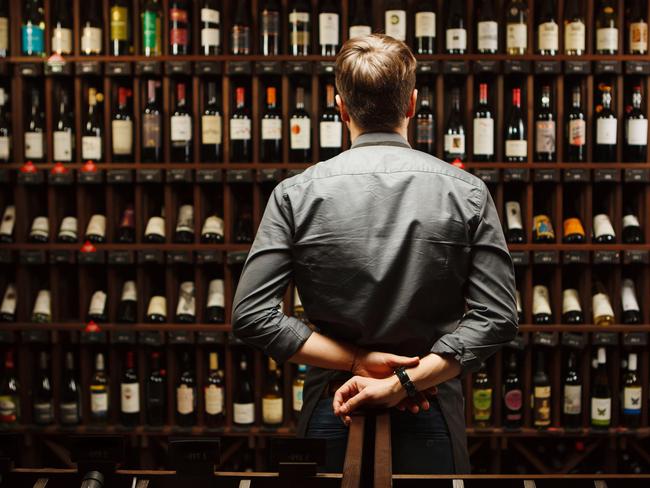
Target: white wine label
545 136
68 227
456 39
213 400
40 226
184 400
244 413
577 132
328 29
98 402
295 17
542 392
513 215
209 37
632 400
606 131
331 134
186 299
97 225
185 220
541 302
603 226
4 33
638 37
155 226
548 36
91 147
9 300
272 410
425 24
216 294
271 129
8 221
628 296
575 36
630 221
637 132
240 129
601 306
516 36
34 145
157 306
129 291
572 399
455 143
62 40
181 128
297 400
484 137
601 411
130 397
211 129
91 40
632 362
5 146
570 301
300 133
97 303
213 225
122 137
210 15
395 21
62 145
43 412
42 305
516 149
607 39
360 31
488 36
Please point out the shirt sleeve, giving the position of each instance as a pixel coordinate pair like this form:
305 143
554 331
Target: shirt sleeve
491 317
256 317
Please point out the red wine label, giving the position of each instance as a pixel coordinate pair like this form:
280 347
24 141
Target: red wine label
638 36
513 400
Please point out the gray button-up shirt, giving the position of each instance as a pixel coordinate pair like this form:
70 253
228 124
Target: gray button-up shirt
391 249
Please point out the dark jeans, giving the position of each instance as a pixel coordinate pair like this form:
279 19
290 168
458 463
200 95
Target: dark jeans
420 442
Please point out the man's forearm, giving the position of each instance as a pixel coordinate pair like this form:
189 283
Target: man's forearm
433 370
323 352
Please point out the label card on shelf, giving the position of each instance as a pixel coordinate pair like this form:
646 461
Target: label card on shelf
239 176
575 257
35 178
58 67
607 257
268 67
607 67
208 176
120 257
194 457
179 176
35 336
325 67
93 337
237 257
607 174
546 257
549 339
211 337
576 340
455 67
181 337
238 68
516 174
178 68
123 337
148 68
269 176
516 66
90 177
633 175
96 257
205 257
637 68
88 68
425 67
551 175
635 338
487 175
149 176
577 67
32 257
118 68
30 69
519 342
151 256
207 68
298 68
293 455
605 339
61 178
519 258
61 256
548 67
151 338
636 256
487 66
119 176
179 257
576 176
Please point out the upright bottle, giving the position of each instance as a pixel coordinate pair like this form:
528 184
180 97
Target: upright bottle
542 313
425 126
297 389
129 393
211 127
62 28
156 392
454 148
637 27
572 395
425 27
330 127
395 19
456 29
482 399
548 31
240 130
270 28
606 28
43 403
606 128
91 33
181 128
240 32
244 402
603 313
5 128
575 37
62 137
122 128
70 406
210 27
299 28
9 392
35 130
516 149
541 400
516 27
629 303
487 29
360 24
120 38
99 392
271 149
214 394
179 27
152 125
514 227
632 394
576 129
33 29
92 135
300 131
329 37
545 128
601 394
151 28
636 129
186 394
4 29
272 399
512 395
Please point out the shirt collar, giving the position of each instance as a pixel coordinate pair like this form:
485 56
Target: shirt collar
380 139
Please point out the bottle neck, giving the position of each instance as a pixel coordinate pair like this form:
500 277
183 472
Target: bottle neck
240 98
576 99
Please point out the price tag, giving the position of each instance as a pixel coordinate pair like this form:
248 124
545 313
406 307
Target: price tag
210 338
607 257
607 67
635 338
487 175
123 337
88 68
635 257
542 175
519 258
237 257
577 67
179 176
32 257
149 176
30 69
516 66
548 67
298 67
181 337
575 257
207 68
516 174
487 66
209 257
151 338
151 256
455 67
634 175
35 178
576 175
148 68
426 67
325 67
208 176
269 176
120 257
119 176
96 257
607 175
90 177
605 339
549 339
239 176
93 337
179 257
178 68
268 67
574 340
61 178
637 68
118 68
35 336
61 256
545 257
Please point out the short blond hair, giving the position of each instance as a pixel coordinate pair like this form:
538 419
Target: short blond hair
375 77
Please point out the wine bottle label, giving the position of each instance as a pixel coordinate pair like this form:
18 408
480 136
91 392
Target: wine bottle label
548 36
601 411
632 400
425 24
98 402
129 291
300 132
272 410
628 221
638 37
603 226
541 303
575 36
213 225
210 37
214 400
513 215
119 20
91 40
97 303
543 227
157 306
216 294
296 396
545 136
577 132
150 30
184 400
43 412
572 400
628 296
181 128
244 413
607 39
271 129
328 29
130 397
488 36
482 402
91 147
69 413
8 221
62 145
96 226
606 131
122 137
33 39
360 31
178 35
601 306
4 34
542 405
42 305
40 227
513 400
424 131
210 15
516 36
186 299
270 23
62 40
151 131
570 301
637 132
573 226
155 226
240 129
455 143
34 145
299 29
395 21
185 222
8 408
8 306
331 134
211 129
456 39
5 146
516 149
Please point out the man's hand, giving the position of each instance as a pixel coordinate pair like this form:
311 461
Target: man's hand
374 364
361 391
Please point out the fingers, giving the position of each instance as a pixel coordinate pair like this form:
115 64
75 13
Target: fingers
348 390
395 361
353 403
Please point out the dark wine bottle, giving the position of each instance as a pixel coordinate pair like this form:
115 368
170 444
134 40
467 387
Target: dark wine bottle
35 130
43 403
575 38
127 308
99 392
601 394
516 145
92 135
573 231
454 147
240 130
360 24
632 233
571 308
425 27
122 128
300 131
211 127
152 125
184 231
543 232
240 32
210 27
96 229
482 399
606 28
542 313
126 229
456 29
483 127
542 406
329 37
150 18
8 304
271 148
5 126
156 388
9 392
395 19
545 128
62 28
186 306
181 129
215 311
70 406
514 227
214 394
179 28
513 395
270 28
67 230
576 128
157 310
629 303
120 38
425 126
299 27
330 127
130 393
33 29
91 32
62 137
548 31
97 308
636 130
572 395
632 394
186 394
637 27
244 401
7 224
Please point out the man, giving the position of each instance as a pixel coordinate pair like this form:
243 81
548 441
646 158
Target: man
393 251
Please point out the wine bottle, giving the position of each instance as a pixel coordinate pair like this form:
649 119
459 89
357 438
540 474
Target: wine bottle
330 127
545 128
360 24
130 393
572 395
120 38
483 127
514 227
91 138
425 27
156 392
157 310
240 130
541 305
62 137
272 399
150 18
573 231
271 149
5 125
212 230
9 392
4 29
601 395
7 224
482 399
632 394
127 308
181 129
40 230
62 28
299 28
487 29
35 130
297 388
603 229
329 38
300 131
629 303
603 313
210 27
606 29
456 31
99 392
512 395
516 27
244 226
186 306
270 28
152 125
548 31
606 128
154 232
575 38
97 307
91 33
636 130
211 127
43 404
454 148
184 232
42 311
126 229
637 28
122 128
179 28
576 127
516 145
67 230
244 402
425 126
186 394
240 32
8 304
632 233
541 401
96 229
70 406
395 19
571 308
520 308
543 232
215 312
33 29
214 394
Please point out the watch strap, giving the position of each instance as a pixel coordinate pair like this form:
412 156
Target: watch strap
406 382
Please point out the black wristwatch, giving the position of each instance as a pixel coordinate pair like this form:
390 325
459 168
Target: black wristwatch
406 382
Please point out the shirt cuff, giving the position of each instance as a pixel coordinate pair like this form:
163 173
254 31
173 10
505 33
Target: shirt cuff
290 337
452 345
